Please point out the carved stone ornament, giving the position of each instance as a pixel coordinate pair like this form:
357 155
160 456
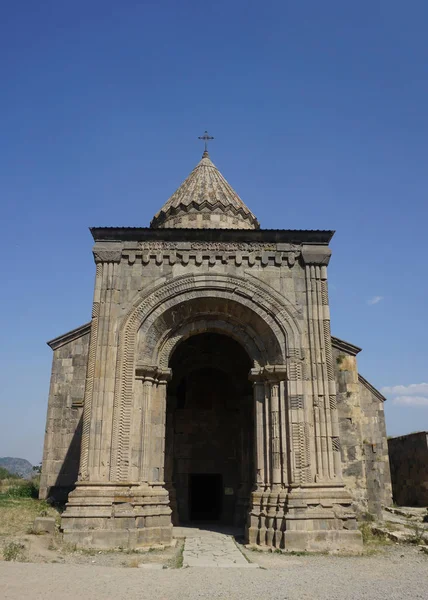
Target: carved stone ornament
212 253
269 373
158 245
101 256
231 247
152 372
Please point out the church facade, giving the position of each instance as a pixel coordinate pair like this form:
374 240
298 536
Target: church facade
207 387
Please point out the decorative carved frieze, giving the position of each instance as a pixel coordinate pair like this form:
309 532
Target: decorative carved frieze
231 247
212 253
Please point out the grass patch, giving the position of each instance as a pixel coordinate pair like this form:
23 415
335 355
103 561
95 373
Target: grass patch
370 537
19 488
177 561
417 536
368 517
13 551
17 514
391 526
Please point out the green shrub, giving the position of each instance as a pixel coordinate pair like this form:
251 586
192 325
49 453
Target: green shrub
4 474
26 489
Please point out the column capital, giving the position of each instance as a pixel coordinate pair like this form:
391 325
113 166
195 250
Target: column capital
268 373
153 372
164 375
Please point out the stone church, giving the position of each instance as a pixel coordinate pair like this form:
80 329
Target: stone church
207 387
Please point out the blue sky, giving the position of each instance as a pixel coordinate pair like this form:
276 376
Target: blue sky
319 112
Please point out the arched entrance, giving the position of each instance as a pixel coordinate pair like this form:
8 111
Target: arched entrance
209 466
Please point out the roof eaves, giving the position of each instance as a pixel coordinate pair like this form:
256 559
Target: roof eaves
345 346
65 338
371 388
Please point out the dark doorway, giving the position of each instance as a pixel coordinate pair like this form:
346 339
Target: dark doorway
209 431
206 493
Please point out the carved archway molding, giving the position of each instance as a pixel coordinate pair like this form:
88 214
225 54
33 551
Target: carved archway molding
246 337
280 317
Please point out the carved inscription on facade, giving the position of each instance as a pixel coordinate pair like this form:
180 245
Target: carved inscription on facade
211 253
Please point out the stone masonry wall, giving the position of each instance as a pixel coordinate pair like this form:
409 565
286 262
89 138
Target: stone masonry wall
124 271
408 455
135 267
362 435
61 452
379 491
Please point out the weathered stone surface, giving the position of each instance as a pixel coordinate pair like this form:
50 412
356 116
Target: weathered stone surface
209 353
408 455
213 550
364 449
44 525
61 453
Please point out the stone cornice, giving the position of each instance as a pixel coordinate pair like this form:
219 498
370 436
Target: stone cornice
65 338
316 254
371 389
345 346
146 234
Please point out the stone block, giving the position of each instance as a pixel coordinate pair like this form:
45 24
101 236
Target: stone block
44 525
323 541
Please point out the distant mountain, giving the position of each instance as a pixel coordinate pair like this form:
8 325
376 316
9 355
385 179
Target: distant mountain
19 466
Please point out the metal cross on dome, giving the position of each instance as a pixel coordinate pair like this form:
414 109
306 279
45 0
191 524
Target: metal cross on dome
207 138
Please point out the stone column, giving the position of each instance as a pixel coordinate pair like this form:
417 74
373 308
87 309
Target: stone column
158 420
275 500
275 427
260 444
146 428
323 392
267 511
89 385
136 435
171 404
319 509
256 528
98 401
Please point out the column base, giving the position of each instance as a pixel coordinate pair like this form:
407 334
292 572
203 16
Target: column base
313 518
113 515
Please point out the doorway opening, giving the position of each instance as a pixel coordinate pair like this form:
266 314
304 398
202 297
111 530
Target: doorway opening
206 494
209 431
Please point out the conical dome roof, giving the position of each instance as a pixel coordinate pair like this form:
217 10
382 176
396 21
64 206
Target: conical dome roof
205 201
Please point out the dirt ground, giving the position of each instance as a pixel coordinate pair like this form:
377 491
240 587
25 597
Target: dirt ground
18 542
394 573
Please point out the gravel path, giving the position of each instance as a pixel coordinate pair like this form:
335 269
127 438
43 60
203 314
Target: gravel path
399 573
